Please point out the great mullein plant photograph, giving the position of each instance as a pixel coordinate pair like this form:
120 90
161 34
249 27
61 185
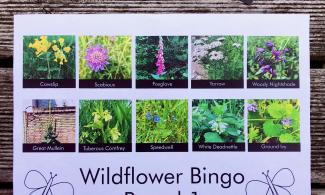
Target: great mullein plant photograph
49 57
218 121
105 121
217 57
104 57
161 57
273 58
273 121
161 121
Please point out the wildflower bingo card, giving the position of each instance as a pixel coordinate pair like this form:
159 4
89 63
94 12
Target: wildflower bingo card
177 104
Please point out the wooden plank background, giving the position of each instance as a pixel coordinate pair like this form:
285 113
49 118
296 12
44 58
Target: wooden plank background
316 8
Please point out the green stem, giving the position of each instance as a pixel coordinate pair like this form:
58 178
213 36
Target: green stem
48 68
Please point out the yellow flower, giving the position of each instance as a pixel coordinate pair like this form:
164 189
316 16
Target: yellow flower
54 41
41 45
60 57
67 49
55 48
61 40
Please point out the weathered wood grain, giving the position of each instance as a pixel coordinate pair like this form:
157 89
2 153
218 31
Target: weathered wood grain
6 123
316 8
317 128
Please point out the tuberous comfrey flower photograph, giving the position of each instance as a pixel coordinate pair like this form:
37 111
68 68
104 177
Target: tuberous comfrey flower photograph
161 121
217 57
105 121
218 121
105 57
273 58
161 57
273 121
49 57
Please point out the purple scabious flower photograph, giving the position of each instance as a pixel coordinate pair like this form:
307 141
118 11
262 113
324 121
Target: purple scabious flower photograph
104 57
97 57
273 58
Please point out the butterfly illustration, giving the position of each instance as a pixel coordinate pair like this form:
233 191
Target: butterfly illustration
277 185
39 185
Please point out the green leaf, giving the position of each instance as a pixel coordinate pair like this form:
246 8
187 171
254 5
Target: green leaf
211 137
287 138
275 110
231 121
272 130
218 109
233 131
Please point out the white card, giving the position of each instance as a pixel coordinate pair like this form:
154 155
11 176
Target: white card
166 104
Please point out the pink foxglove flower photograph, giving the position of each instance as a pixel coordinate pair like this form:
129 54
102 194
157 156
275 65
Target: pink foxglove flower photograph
161 58
104 57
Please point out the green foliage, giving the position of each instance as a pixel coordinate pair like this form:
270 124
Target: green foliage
175 56
218 121
221 57
273 121
49 57
119 54
105 121
162 121
284 67
51 134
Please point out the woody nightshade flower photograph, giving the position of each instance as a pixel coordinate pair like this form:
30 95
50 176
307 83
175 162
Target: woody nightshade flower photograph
273 58
161 58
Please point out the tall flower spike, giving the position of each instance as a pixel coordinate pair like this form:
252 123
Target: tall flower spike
160 57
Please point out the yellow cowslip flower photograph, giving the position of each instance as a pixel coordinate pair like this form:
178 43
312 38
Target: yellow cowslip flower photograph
49 57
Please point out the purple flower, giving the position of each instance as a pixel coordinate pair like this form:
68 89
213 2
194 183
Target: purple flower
252 107
96 57
286 50
266 68
269 44
260 50
286 122
276 54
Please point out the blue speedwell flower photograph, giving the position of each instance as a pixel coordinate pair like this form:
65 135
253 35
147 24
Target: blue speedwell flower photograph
105 57
162 121
273 58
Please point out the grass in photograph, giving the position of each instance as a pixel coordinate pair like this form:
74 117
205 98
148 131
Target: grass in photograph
105 121
161 57
217 57
273 58
162 121
105 57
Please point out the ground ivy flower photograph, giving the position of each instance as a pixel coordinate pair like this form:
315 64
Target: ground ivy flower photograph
217 57
105 121
273 121
218 121
161 57
105 57
273 58
161 121
49 57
